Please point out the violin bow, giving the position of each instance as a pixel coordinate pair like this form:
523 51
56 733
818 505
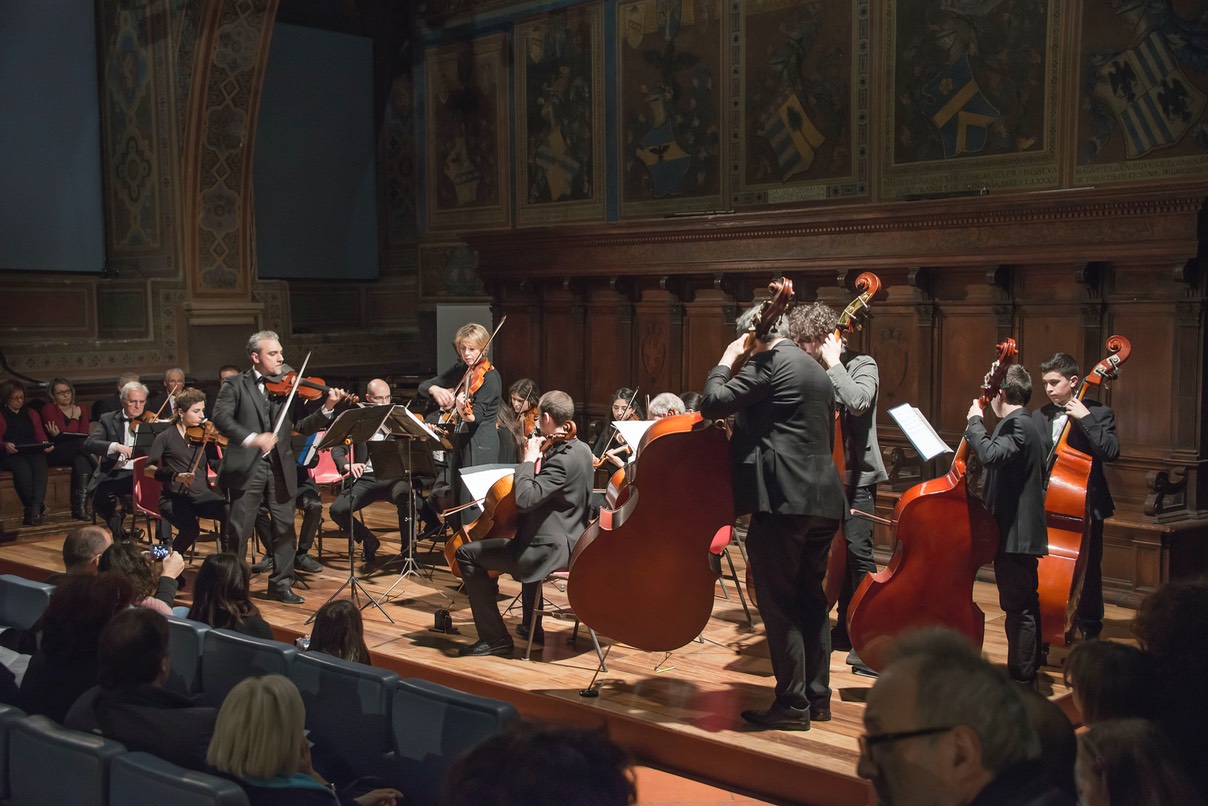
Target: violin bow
293 391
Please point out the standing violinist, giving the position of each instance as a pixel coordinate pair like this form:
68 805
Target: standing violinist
856 381
112 439
1094 434
785 478
552 489
468 393
517 422
259 462
179 463
1014 488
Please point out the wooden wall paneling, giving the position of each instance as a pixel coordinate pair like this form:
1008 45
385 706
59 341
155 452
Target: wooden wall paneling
658 319
518 346
608 355
563 348
708 327
965 349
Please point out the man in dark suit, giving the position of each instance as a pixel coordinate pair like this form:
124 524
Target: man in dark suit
552 491
164 402
1093 433
785 478
1014 488
112 439
257 465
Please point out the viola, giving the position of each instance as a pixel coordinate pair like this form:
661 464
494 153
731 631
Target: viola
500 517
1062 571
942 535
773 308
669 524
309 388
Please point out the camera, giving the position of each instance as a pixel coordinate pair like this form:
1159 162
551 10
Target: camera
160 552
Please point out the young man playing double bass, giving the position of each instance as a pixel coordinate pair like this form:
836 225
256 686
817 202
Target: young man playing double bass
785 478
553 491
1093 433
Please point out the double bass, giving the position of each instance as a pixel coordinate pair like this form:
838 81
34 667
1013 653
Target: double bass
942 535
1067 515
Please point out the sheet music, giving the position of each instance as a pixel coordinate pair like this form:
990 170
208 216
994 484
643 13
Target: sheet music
413 423
632 431
919 431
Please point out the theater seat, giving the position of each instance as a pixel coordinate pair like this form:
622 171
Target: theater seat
22 601
347 712
186 641
51 764
141 778
433 726
231 657
9 716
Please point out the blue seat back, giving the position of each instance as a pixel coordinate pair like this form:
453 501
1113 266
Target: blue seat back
141 778
347 712
186 642
9 716
51 764
22 601
231 657
434 726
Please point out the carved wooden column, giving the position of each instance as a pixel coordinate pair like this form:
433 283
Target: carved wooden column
608 342
658 320
709 314
516 350
562 354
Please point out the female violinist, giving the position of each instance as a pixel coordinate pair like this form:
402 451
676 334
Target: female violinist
518 421
177 459
469 395
610 446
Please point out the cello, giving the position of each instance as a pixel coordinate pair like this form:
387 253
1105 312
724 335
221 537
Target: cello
640 573
942 535
1067 516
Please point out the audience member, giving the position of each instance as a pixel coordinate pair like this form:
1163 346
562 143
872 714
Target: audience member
259 740
943 725
131 705
535 766
220 597
105 405
1171 624
339 631
154 581
20 434
1130 761
65 665
66 423
1111 680
1058 741
82 550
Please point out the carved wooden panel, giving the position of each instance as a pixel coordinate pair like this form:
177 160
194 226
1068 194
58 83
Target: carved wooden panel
561 360
608 336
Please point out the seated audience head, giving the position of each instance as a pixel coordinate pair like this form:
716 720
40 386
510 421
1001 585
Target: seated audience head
809 325
220 592
1058 741
534 766
134 399
559 406
691 401
133 650
1130 761
941 723
190 406
259 731
339 631
1111 680
1164 623
12 394
126 559
625 405
79 608
62 392
666 404
83 547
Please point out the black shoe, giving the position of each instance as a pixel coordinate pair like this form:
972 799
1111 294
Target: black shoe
522 631
260 566
307 564
503 648
840 640
286 595
820 713
778 718
430 530
368 557
859 667
1091 630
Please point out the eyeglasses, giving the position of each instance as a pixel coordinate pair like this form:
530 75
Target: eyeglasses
870 740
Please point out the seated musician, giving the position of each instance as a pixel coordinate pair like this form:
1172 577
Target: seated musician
552 490
610 446
516 422
112 439
691 401
666 404
21 425
179 464
366 487
163 404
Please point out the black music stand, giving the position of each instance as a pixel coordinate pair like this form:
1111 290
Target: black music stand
351 426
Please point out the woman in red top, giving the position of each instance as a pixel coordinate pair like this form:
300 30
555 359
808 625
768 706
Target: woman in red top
66 423
21 426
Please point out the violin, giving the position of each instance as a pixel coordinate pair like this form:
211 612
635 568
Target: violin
942 535
772 309
309 388
1061 572
609 452
206 432
528 422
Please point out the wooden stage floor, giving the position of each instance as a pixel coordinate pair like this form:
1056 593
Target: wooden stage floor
679 713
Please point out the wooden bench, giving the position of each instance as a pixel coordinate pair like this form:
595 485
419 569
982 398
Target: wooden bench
58 505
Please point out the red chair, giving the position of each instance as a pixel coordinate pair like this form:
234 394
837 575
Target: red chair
146 495
720 549
325 475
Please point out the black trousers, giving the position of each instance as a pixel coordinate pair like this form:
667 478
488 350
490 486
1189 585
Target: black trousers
105 496
29 478
479 558
310 505
363 492
858 533
67 453
266 485
788 563
1019 597
183 511
1089 616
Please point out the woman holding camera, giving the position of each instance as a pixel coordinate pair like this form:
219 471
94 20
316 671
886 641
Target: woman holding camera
177 460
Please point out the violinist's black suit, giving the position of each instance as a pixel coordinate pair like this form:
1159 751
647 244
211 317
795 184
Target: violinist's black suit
784 476
241 411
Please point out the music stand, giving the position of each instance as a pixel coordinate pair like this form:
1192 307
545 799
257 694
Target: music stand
409 427
351 426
